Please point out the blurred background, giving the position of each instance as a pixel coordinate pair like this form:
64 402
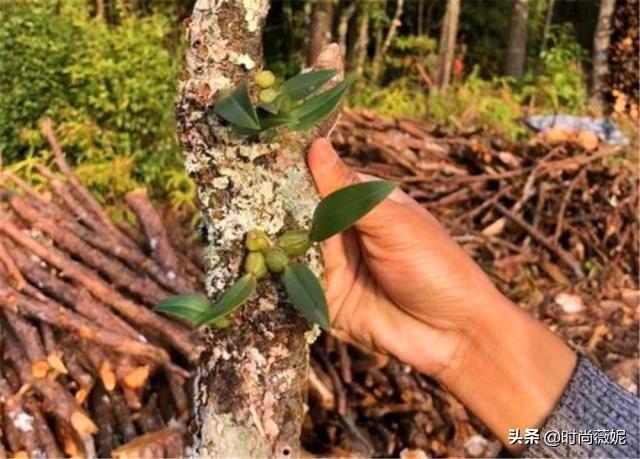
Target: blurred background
106 71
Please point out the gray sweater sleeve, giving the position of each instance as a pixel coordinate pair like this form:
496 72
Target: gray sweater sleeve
604 417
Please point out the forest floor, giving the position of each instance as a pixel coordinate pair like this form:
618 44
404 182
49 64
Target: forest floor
553 221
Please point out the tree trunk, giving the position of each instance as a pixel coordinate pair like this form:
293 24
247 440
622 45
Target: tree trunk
359 55
517 50
343 28
391 33
100 9
547 25
321 25
447 43
378 33
601 40
248 394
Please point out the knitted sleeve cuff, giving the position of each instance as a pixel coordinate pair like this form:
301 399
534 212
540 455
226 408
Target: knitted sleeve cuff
594 418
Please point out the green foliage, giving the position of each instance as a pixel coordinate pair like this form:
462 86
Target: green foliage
344 207
197 310
478 102
294 104
408 50
108 88
401 98
191 307
305 293
237 108
558 82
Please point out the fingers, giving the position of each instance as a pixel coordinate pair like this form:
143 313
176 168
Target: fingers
329 171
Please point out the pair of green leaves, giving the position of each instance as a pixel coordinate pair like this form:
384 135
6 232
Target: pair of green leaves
334 214
295 106
197 310
302 286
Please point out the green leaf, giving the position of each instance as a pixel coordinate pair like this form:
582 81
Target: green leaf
305 293
272 107
344 207
317 108
222 322
302 85
190 307
271 121
236 108
235 295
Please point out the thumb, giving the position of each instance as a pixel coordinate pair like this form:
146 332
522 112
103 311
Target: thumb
329 171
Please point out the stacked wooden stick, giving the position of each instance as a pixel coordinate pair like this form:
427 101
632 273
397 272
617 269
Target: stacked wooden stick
554 223
88 369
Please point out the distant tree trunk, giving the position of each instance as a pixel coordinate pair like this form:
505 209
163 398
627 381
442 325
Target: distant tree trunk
359 54
517 48
601 40
447 43
391 33
420 24
343 28
100 9
378 30
249 383
547 25
321 25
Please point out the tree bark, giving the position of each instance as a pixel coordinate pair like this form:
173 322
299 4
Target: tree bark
321 25
100 9
358 57
547 25
517 48
447 43
343 28
601 40
249 382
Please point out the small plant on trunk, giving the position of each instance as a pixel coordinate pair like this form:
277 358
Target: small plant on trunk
280 257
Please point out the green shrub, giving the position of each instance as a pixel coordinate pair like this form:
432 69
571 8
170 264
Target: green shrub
557 82
489 104
110 90
402 97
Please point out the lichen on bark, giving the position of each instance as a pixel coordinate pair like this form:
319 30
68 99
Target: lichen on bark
249 383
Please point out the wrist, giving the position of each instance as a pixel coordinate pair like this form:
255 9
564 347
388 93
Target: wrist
508 369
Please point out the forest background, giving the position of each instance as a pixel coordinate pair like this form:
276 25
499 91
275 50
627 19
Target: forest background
106 72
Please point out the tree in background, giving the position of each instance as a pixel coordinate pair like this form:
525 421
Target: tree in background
321 28
601 40
517 45
448 36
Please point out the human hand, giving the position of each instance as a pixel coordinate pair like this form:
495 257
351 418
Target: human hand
397 273
397 283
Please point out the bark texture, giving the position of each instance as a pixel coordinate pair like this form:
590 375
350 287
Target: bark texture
321 26
517 50
249 384
448 43
601 41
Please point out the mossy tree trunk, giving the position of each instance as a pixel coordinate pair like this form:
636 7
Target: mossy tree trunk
249 383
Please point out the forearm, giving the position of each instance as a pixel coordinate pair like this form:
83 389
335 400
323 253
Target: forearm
509 370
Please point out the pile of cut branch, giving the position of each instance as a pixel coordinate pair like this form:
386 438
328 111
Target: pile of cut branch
88 369
623 58
555 226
